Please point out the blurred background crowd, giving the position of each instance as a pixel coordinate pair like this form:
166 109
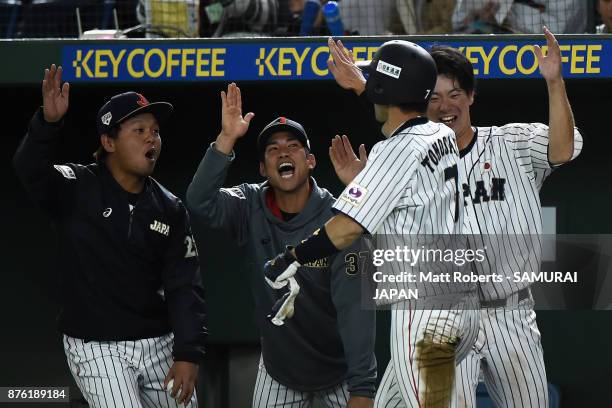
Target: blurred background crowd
237 18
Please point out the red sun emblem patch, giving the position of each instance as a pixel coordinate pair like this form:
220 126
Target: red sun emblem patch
142 101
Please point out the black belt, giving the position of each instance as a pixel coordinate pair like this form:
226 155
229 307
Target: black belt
495 303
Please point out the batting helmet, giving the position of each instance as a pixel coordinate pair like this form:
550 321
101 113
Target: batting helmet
400 72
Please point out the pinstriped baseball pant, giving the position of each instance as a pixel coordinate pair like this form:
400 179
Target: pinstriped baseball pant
425 347
269 393
122 374
509 352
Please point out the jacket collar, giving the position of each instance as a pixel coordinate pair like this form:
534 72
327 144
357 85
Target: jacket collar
110 179
317 202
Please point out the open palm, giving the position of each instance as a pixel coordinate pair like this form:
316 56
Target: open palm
346 164
550 65
232 123
55 95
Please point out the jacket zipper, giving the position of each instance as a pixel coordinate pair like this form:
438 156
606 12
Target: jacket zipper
130 222
132 212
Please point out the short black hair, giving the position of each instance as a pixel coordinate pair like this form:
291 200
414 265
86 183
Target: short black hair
419 107
452 63
100 154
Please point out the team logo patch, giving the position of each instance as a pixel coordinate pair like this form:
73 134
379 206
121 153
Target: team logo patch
388 69
142 101
160 227
107 212
65 171
354 194
106 118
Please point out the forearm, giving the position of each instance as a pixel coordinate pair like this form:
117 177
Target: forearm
225 144
561 123
35 152
203 195
359 341
337 234
356 322
187 315
188 325
359 88
343 231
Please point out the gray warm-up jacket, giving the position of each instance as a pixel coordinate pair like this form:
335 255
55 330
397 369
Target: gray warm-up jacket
330 338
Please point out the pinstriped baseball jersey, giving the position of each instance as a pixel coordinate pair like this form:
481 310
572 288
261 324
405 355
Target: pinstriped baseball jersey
504 169
409 186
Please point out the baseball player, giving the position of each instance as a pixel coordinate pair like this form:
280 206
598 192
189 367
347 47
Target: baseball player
408 186
504 168
132 308
327 352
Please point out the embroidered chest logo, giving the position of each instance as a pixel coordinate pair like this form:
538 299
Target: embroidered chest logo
107 212
160 227
319 263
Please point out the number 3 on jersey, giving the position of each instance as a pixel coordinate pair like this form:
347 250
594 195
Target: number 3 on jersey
355 262
453 173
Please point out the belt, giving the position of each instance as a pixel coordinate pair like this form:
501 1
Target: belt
513 299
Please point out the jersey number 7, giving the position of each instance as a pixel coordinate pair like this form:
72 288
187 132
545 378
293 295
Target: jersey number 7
453 173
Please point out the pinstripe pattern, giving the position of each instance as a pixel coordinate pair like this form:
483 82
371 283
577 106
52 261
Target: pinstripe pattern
406 196
508 347
122 374
403 196
269 393
518 154
405 193
509 351
403 384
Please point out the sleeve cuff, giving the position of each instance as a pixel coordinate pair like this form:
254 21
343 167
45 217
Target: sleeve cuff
190 356
41 118
363 393
229 157
42 128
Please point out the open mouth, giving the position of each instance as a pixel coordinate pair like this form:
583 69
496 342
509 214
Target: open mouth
286 170
151 154
448 120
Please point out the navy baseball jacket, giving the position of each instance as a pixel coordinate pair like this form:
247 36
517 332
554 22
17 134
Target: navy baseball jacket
331 337
127 271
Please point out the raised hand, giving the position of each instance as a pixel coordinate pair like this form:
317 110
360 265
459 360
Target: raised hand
55 95
234 126
346 164
343 68
550 65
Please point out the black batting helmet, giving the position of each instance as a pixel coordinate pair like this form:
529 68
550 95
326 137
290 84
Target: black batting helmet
400 72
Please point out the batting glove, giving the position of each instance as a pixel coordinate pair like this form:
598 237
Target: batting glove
284 307
278 270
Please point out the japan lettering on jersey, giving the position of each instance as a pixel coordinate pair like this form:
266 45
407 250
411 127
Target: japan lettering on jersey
503 170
